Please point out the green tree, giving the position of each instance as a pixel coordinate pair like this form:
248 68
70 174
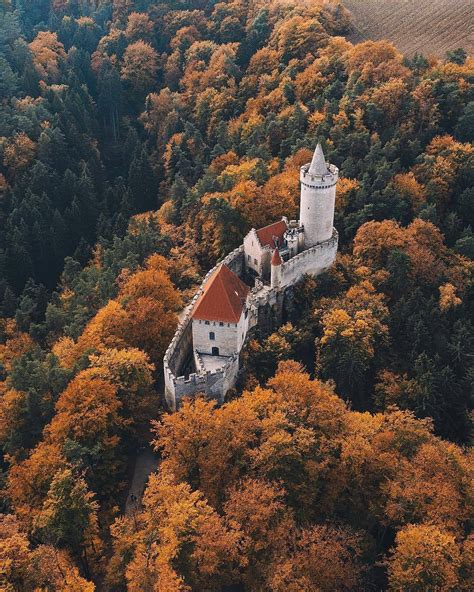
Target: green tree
68 517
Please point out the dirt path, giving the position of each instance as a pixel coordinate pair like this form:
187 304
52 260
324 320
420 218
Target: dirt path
145 463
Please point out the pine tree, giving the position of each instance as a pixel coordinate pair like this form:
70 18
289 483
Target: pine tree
141 183
9 84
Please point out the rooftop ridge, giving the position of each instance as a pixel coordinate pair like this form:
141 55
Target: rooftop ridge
222 298
265 236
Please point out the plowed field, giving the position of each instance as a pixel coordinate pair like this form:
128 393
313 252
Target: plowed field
431 27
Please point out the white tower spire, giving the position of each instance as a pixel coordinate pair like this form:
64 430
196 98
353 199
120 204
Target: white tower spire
318 196
318 164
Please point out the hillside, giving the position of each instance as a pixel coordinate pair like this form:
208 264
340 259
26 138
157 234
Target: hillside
140 142
431 27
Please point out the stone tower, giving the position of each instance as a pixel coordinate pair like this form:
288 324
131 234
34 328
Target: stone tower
318 195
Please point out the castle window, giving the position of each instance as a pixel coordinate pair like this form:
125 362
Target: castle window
212 336
207 322
221 324
248 257
255 261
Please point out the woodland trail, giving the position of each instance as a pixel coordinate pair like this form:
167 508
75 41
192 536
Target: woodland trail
145 463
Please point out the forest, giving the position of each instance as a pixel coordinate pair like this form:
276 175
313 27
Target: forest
139 142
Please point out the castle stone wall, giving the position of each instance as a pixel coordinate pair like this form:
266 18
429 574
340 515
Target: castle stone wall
214 384
313 261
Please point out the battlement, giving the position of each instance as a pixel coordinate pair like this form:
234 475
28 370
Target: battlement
321 181
313 261
201 376
310 253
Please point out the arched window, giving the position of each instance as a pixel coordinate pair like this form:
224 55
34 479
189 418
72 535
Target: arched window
212 336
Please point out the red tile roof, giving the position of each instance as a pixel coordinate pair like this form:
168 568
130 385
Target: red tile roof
276 259
223 298
267 235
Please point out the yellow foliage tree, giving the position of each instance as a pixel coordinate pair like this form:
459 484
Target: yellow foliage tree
424 558
448 298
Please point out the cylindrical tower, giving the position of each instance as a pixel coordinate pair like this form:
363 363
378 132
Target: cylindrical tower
276 270
318 195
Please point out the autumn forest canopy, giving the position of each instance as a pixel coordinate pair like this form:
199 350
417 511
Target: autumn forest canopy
139 142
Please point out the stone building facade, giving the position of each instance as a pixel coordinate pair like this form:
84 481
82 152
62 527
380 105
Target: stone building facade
248 286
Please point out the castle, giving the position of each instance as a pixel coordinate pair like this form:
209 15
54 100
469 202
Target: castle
246 290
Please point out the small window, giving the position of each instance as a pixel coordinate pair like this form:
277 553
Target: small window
248 257
207 323
221 324
212 336
255 261
215 351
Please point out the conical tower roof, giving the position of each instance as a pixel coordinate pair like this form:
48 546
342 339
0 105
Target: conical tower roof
276 259
318 165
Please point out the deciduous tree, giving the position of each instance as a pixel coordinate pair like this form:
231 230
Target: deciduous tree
424 558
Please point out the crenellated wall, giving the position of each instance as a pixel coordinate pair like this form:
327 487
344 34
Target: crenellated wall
312 261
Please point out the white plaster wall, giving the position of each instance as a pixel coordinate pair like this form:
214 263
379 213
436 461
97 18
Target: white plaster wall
226 337
276 276
253 252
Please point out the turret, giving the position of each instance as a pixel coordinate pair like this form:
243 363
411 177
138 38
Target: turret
291 237
276 270
318 196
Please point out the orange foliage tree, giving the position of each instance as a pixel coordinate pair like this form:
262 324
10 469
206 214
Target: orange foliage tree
27 569
140 66
18 152
176 527
47 51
